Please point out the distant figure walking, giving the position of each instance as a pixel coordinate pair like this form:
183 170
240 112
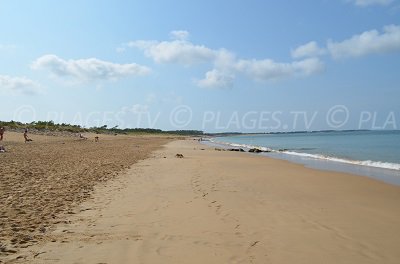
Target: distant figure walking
1 133
82 136
96 139
27 139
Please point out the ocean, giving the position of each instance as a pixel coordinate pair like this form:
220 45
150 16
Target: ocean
370 153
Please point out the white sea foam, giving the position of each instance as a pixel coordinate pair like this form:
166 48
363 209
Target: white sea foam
369 163
240 145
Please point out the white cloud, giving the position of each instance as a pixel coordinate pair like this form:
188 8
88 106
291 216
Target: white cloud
135 109
21 85
310 49
176 51
225 63
88 69
224 59
179 34
260 70
364 3
368 42
216 79
267 69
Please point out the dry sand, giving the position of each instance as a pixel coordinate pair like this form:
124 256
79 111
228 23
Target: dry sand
228 207
44 179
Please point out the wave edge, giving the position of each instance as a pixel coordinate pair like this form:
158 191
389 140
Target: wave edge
367 163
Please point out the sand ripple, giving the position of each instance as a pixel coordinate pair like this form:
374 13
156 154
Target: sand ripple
42 181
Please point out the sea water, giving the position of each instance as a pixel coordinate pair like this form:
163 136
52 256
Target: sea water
369 153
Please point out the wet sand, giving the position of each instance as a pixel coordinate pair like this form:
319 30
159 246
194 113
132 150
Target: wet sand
44 180
227 207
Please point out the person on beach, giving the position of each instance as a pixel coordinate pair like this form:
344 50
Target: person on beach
27 139
81 136
1 133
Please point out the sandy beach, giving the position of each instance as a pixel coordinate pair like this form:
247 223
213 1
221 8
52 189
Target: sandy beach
42 181
226 207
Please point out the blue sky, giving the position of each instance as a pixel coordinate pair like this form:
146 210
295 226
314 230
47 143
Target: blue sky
210 65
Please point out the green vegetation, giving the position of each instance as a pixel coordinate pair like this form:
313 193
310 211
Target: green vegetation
51 126
43 125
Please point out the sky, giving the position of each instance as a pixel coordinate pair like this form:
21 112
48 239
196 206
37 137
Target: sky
216 66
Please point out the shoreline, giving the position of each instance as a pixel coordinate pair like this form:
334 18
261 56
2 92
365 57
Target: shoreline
228 207
391 176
